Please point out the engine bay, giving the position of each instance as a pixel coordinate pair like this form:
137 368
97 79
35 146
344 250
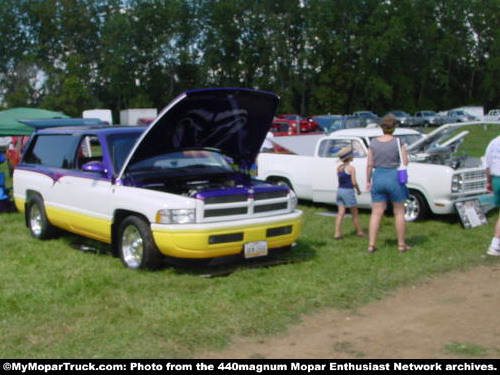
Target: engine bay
189 185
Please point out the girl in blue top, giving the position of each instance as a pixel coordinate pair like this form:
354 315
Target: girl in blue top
345 194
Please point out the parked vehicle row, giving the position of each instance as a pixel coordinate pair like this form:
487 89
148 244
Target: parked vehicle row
432 118
293 124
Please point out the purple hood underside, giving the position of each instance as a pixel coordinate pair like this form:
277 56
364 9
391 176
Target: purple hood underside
232 120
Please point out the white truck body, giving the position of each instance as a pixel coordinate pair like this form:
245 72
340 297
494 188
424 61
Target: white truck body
436 179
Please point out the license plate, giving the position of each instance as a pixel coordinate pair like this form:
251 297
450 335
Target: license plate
255 249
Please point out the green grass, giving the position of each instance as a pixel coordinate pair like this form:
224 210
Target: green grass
58 302
465 350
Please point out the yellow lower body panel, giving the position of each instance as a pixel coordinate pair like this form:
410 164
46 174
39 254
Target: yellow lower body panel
198 244
87 226
19 204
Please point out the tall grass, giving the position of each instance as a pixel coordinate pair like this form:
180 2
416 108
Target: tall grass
58 302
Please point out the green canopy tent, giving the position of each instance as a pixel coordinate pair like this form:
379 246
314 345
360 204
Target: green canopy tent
11 126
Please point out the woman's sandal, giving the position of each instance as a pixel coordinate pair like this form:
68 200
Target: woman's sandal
371 249
403 248
338 237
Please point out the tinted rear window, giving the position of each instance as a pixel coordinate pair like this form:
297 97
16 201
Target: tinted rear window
55 151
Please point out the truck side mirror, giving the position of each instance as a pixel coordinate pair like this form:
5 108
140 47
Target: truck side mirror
95 166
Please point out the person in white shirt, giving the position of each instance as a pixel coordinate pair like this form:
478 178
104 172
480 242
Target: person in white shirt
492 159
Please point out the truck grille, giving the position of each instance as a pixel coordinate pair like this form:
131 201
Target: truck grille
270 194
474 181
476 185
240 203
271 207
226 199
475 175
225 212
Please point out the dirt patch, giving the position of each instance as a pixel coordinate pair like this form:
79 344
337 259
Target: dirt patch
454 316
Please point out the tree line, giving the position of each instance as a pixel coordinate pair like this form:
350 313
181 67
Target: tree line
320 56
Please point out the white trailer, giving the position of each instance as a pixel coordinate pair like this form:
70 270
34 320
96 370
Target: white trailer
102 114
136 116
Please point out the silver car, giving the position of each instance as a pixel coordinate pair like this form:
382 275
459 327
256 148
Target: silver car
428 118
404 119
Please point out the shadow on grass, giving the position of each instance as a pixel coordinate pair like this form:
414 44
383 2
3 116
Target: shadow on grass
412 241
300 253
303 251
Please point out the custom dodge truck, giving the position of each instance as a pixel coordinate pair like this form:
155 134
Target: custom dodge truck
438 175
178 189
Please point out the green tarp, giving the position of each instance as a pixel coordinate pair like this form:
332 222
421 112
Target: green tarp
9 120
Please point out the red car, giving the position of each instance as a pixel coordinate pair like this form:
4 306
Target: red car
305 125
283 127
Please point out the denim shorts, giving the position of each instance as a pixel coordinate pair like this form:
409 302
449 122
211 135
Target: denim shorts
386 187
346 197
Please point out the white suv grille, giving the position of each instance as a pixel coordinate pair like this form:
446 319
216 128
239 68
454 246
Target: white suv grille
246 203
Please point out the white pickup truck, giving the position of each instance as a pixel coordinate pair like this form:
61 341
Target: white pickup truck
438 176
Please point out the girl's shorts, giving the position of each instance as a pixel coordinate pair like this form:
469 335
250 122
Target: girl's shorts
386 187
346 197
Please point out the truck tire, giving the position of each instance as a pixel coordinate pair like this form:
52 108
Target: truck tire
36 219
136 246
415 207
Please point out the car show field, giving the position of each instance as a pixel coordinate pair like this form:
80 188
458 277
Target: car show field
320 282
183 180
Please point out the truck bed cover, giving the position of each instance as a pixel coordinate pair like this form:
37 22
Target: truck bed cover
298 144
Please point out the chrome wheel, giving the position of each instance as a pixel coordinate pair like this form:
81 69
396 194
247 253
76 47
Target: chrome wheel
136 245
415 207
132 247
37 221
36 224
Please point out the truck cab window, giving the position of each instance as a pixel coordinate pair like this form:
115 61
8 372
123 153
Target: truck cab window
51 151
89 150
329 148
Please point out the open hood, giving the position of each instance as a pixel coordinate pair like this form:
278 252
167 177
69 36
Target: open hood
232 120
444 139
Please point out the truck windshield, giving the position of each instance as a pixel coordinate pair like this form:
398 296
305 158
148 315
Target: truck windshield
119 147
186 159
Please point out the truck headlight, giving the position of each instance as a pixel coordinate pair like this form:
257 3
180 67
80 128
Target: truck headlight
181 216
457 183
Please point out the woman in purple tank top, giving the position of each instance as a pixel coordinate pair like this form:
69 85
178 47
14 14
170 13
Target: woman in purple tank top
345 193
